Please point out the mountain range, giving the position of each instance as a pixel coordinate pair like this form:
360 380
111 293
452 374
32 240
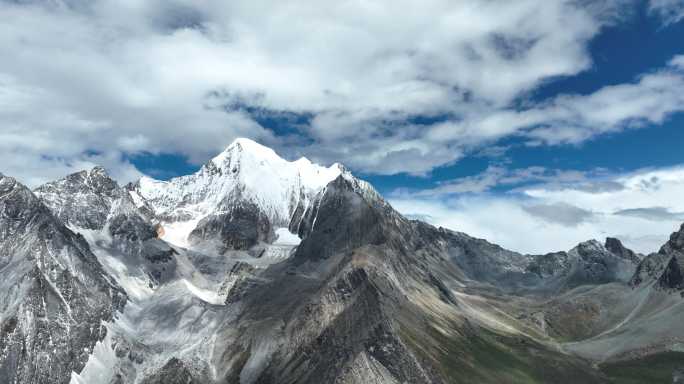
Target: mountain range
259 270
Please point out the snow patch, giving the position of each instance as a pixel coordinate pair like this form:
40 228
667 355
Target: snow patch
137 200
206 295
100 365
177 233
285 237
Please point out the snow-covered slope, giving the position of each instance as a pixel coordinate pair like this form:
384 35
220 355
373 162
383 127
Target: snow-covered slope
245 174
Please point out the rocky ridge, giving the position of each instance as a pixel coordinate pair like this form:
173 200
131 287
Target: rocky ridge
55 292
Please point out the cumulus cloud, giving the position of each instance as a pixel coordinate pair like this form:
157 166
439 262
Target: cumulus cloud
547 217
116 78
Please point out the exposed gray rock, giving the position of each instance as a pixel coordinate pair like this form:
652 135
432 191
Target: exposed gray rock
615 247
341 310
83 199
55 293
483 262
238 282
664 269
92 200
678 376
673 275
241 228
174 372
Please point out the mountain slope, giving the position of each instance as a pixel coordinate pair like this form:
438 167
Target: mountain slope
664 269
623 324
260 270
55 293
93 204
376 303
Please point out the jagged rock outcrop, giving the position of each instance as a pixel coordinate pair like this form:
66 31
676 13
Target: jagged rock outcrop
615 246
673 275
173 372
482 262
93 201
241 228
589 263
239 281
82 199
665 269
55 294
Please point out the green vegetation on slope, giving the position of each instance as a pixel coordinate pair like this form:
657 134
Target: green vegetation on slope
480 356
654 369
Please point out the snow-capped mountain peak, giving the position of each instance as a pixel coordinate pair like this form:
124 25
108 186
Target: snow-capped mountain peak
240 147
246 173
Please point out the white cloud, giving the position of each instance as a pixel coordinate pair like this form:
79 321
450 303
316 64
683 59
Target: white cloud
551 217
671 11
498 175
84 83
130 76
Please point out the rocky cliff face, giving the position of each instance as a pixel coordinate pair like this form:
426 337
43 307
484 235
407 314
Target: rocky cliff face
664 269
372 290
83 199
588 263
241 228
92 202
481 262
55 292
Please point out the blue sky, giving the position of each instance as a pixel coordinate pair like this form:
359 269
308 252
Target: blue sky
638 44
448 108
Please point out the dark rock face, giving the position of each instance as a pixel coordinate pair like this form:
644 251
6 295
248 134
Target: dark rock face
343 309
344 220
243 227
665 268
174 372
239 281
596 265
673 275
337 327
589 263
483 262
615 246
298 214
550 265
131 228
678 376
55 293
676 242
650 269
